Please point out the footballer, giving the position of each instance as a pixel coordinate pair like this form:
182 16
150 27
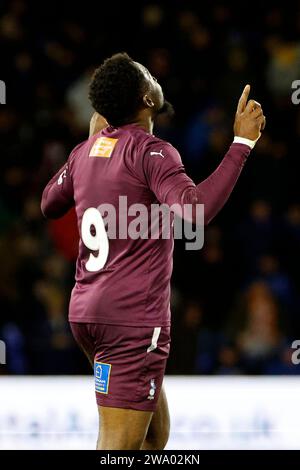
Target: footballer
120 305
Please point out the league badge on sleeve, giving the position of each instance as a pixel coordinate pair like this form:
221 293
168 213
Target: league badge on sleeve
102 375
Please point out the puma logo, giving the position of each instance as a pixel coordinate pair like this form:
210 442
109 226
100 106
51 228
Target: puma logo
157 153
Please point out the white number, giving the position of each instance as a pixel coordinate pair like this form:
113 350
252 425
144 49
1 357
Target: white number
98 241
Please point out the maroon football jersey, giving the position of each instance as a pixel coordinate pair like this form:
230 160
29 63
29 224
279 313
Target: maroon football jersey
119 279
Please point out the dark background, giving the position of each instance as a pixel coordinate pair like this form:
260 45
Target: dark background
236 302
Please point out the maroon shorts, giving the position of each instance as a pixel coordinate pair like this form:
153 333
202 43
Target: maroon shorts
129 362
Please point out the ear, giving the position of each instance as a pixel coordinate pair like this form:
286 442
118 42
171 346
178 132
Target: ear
148 101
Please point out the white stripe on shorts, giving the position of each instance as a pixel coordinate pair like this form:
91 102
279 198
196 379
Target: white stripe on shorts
155 336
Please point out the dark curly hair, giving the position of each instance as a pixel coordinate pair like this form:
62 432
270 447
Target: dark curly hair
117 88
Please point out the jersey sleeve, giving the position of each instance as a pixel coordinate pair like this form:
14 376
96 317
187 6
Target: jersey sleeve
58 195
166 177
165 173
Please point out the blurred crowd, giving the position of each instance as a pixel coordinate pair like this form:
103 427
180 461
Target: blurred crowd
236 302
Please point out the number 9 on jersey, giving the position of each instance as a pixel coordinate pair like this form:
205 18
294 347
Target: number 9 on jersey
95 242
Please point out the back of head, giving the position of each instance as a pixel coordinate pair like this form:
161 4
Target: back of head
117 88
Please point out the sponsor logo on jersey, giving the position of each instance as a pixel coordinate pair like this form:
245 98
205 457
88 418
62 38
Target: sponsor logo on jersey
102 375
103 147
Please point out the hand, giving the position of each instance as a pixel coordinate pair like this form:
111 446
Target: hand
249 118
97 123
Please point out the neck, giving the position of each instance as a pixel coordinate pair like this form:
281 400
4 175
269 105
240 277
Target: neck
145 121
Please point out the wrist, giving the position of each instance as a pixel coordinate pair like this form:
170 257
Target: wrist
245 141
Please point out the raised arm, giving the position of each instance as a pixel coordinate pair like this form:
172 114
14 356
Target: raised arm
166 175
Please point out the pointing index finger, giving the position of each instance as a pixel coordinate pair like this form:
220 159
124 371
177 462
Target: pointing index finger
243 99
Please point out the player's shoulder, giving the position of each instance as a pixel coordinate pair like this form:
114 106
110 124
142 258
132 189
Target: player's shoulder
156 147
144 143
76 150
150 142
78 147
